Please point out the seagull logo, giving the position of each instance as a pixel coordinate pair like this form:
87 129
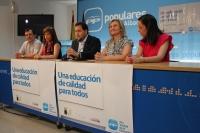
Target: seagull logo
93 19
45 107
113 124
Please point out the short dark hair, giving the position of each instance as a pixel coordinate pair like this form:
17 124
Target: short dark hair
26 30
153 31
83 25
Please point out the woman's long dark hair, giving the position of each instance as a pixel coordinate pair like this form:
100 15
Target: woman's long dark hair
52 31
152 29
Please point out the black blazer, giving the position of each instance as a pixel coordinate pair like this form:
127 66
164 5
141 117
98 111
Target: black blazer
91 46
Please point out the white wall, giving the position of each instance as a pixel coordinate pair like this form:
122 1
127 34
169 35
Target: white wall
10 42
6 29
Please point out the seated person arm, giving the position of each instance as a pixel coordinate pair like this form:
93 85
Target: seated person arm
98 55
55 53
54 56
161 53
36 51
126 50
21 51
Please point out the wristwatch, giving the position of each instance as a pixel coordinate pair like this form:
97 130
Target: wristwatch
79 54
22 56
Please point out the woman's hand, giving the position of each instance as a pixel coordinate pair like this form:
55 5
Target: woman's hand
37 57
97 56
132 59
129 59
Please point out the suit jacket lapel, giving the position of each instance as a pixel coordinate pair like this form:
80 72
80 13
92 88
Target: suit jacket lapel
76 46
86 45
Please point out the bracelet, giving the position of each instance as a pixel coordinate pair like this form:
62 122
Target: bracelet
142 59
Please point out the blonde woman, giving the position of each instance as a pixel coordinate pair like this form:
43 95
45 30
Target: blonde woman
119 46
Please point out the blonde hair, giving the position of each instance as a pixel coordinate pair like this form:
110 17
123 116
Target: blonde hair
121 25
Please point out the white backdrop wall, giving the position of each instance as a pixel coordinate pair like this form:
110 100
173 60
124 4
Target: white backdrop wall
10 42
6 29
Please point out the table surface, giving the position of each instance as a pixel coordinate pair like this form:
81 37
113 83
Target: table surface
170 66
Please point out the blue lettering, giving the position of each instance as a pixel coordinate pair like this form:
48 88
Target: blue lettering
62 75
79 93
85 78
22 70
63 91
76 85
25 84
21 76
61 83
16 82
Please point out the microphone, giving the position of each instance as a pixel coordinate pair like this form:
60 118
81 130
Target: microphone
64 57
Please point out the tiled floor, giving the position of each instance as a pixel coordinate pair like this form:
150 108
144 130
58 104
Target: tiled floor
11 123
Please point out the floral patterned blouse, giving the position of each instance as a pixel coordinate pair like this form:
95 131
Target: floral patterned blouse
117 48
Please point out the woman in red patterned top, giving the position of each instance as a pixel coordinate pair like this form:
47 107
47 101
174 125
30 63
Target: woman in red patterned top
51 47
155 45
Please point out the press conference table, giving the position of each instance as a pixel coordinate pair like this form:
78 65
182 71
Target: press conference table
166 96
170 66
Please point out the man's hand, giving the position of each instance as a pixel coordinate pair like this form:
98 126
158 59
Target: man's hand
71 52
18 55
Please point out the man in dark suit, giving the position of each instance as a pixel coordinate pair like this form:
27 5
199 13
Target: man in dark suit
85 46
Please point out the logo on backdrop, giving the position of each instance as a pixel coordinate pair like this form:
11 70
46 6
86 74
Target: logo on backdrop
45 107
113 124
94 19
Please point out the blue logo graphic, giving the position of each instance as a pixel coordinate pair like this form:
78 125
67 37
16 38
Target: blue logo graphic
94 19
113 124
45 107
